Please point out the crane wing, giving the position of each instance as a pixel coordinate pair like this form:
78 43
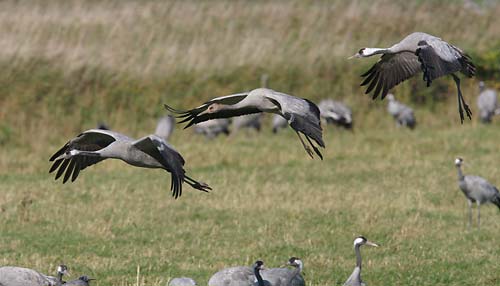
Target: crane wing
389 71
167 157
90 140
438 58
193 116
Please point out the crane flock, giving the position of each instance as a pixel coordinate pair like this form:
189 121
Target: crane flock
417 52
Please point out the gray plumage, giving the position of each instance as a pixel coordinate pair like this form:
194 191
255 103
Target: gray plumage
477 190
279 122
415 53
336 112
81 281
213 128
285 276
95 145
182 281
165 127
487 103
355 278
20 276
249 121
302 114
239 276
402 114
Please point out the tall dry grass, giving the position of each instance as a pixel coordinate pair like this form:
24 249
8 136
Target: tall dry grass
158 38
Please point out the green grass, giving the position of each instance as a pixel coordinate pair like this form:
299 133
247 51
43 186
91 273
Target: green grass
270 201
65 65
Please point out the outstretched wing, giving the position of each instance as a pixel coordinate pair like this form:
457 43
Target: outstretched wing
389 71
167 156
90 140
173 162
438 58
194 116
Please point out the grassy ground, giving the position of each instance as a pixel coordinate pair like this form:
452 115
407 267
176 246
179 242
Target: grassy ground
270 201
64 65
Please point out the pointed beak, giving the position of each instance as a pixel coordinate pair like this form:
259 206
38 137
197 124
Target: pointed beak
353 56
372 244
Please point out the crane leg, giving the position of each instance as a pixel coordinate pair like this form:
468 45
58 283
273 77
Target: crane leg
461 101
478 216
308 150
469 203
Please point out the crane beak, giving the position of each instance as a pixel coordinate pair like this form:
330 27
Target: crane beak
372 244
353 56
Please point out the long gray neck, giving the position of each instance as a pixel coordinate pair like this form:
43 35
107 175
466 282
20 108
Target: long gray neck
358 256
460 174
59 279
375 51
260 282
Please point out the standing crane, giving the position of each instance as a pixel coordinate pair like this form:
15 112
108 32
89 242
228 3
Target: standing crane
401 113
477 190
355 278
416 52
302 114
285 276
20 276
336 112
487 103
240 276
165 127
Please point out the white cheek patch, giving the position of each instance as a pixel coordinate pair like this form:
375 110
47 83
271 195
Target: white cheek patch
358 241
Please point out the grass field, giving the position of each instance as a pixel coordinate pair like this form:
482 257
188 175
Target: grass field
67 64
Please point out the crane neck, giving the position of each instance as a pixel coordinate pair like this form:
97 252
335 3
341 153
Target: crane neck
260 281
460 174
358 256
367 52
59 279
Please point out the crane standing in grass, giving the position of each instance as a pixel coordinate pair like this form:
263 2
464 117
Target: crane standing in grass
401 113
336 112
302 114
487 103
240 276
416 52
355 278
477 190
285 276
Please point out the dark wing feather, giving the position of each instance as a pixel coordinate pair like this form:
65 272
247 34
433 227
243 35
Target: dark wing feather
438 58
193 116
170 159
389 71
307 127
91 140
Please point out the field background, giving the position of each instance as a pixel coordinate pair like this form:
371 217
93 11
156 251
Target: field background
66 65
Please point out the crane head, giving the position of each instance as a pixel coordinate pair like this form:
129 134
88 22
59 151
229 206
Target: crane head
459 161
62 270
359 54
258 265
212 108
295 262
361 240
